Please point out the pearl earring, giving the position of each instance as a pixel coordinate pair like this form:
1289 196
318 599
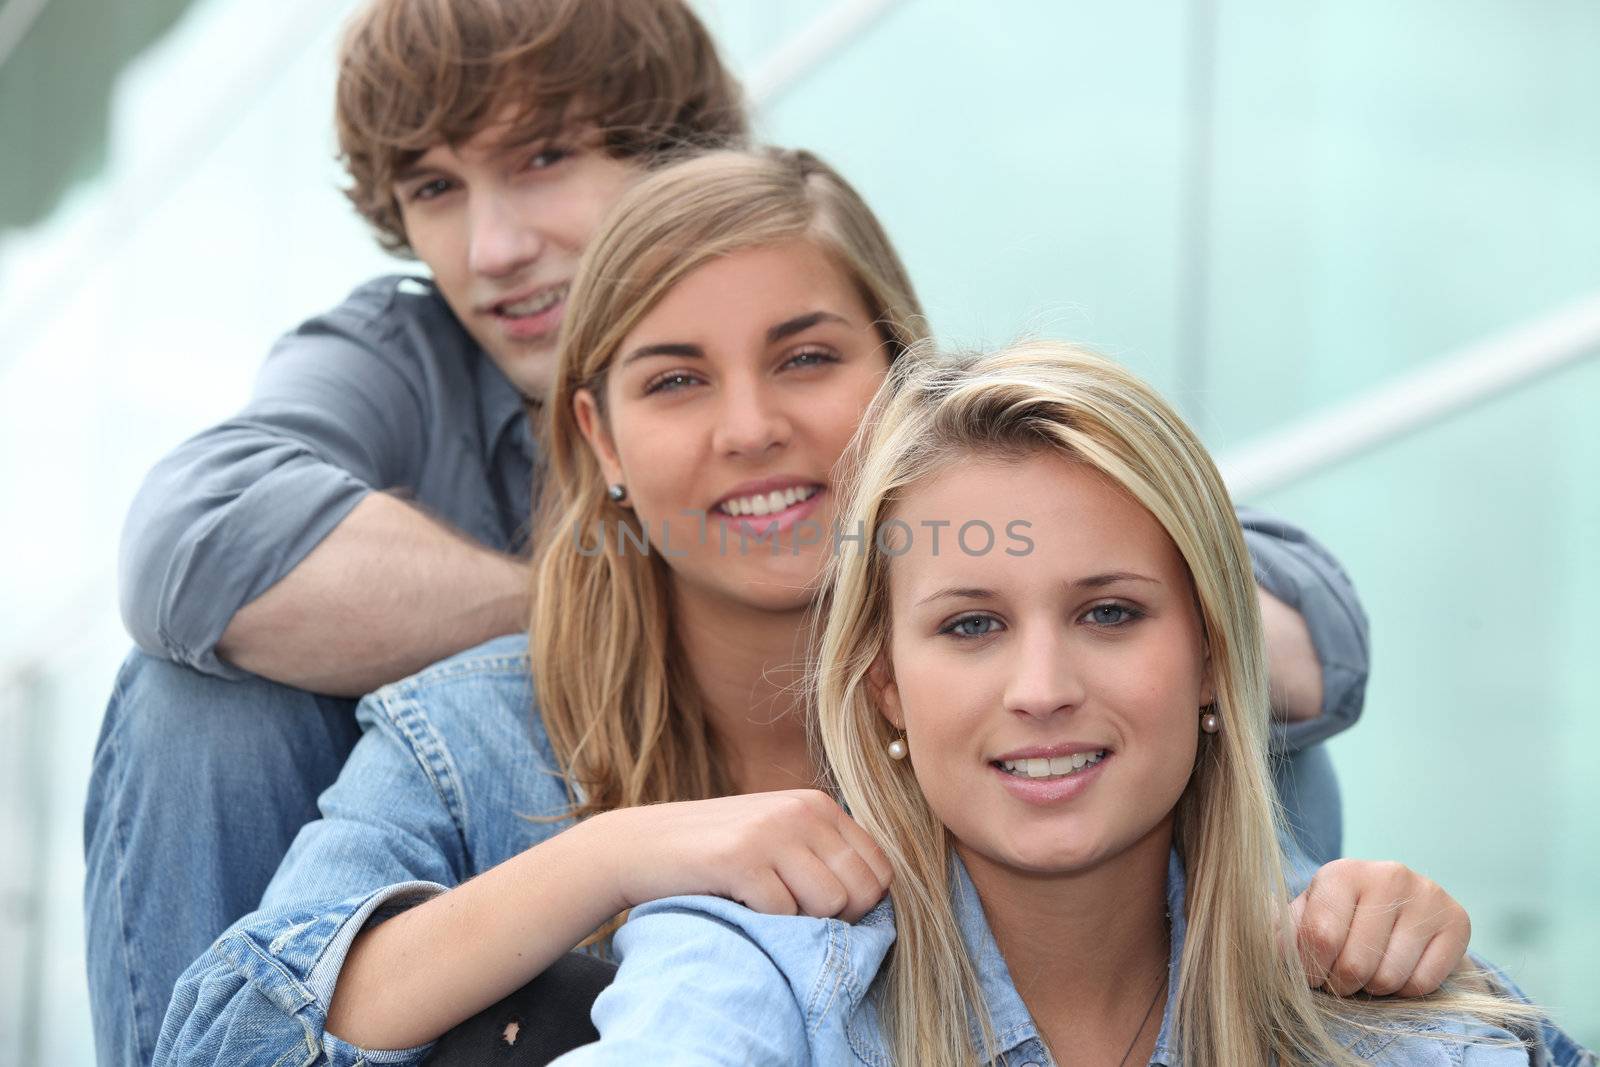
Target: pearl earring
897 748
617 492
1211 722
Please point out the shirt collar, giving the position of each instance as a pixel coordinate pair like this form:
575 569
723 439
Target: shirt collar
502 408
1013 1025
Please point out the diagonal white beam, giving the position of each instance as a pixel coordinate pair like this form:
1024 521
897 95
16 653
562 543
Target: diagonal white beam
807 50
1471 376
16 19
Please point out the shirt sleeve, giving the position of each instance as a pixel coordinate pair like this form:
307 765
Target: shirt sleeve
705 981
336 413
1295 568
391 836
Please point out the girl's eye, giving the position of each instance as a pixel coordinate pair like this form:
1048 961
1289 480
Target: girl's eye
810 357
429 190
671 381
1112 615
969 626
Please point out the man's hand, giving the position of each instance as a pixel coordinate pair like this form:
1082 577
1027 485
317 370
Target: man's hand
1378 927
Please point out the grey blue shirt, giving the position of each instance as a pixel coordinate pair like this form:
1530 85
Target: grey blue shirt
385 392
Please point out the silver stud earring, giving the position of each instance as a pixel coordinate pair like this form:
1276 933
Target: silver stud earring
1211 722
617 492
897 748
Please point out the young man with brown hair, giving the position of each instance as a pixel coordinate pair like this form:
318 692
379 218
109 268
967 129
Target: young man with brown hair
365 513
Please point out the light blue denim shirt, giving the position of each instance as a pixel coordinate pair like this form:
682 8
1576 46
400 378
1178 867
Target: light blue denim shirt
437 790
705 981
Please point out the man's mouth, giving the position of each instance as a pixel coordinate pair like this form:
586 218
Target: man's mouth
528 306
769 503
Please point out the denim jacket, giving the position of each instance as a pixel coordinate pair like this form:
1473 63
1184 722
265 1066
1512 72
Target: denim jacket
436 790
705 981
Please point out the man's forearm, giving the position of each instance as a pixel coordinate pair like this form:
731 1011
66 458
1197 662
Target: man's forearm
388 592
1295 673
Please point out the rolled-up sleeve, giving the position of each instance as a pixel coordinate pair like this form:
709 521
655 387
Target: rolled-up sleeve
391 836
1295 568
335 415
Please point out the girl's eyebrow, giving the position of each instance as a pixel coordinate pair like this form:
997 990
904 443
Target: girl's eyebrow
675 350
1093 581
790 327
786 328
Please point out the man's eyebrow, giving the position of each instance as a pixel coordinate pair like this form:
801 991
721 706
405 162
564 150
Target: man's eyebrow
801 323
417 170
677 351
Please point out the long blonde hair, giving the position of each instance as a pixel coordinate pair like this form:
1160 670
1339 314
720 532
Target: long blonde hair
1242 998
623 714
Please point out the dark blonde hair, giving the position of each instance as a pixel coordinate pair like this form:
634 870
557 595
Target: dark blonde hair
621 709
417 73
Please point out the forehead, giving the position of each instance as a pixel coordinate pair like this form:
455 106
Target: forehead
1078 521
738 295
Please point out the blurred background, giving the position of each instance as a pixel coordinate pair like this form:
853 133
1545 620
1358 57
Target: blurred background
1359 242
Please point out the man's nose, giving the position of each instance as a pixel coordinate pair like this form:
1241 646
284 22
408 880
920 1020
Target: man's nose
502 241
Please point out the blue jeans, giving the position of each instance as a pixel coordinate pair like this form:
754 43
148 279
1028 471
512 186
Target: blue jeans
198 787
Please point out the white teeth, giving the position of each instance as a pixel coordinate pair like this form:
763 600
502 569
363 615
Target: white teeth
536 303
1054 767
768 503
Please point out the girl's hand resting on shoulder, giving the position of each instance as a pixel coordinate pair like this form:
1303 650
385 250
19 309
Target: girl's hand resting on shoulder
784 853
1378 927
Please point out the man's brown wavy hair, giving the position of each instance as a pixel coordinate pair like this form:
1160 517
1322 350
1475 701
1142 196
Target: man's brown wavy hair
417 73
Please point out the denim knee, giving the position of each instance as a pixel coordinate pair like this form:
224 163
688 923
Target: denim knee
198 786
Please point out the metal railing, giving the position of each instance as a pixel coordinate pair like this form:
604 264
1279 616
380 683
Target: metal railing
1426 397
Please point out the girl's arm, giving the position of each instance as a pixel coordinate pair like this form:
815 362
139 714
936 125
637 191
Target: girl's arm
780 853
362 945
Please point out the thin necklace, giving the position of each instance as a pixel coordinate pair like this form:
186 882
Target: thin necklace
1135 1040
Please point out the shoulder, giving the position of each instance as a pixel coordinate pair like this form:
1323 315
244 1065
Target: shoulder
827 964
398 319
471 721
1446 1042
387 304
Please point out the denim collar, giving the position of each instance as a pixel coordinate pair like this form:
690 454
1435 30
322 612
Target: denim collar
1013 1025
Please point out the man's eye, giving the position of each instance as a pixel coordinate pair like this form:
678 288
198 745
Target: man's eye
1112 615
548 157
972 626
429 190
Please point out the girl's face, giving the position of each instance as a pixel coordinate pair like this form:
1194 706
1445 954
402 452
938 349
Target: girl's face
1050 692
727 408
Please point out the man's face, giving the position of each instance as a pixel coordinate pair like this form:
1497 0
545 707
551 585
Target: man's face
502 226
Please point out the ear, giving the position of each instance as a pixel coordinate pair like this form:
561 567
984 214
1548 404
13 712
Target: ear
885 692
1208 684
586 410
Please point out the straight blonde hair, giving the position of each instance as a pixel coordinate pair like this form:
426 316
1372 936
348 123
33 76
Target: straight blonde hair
1242 997
620 706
